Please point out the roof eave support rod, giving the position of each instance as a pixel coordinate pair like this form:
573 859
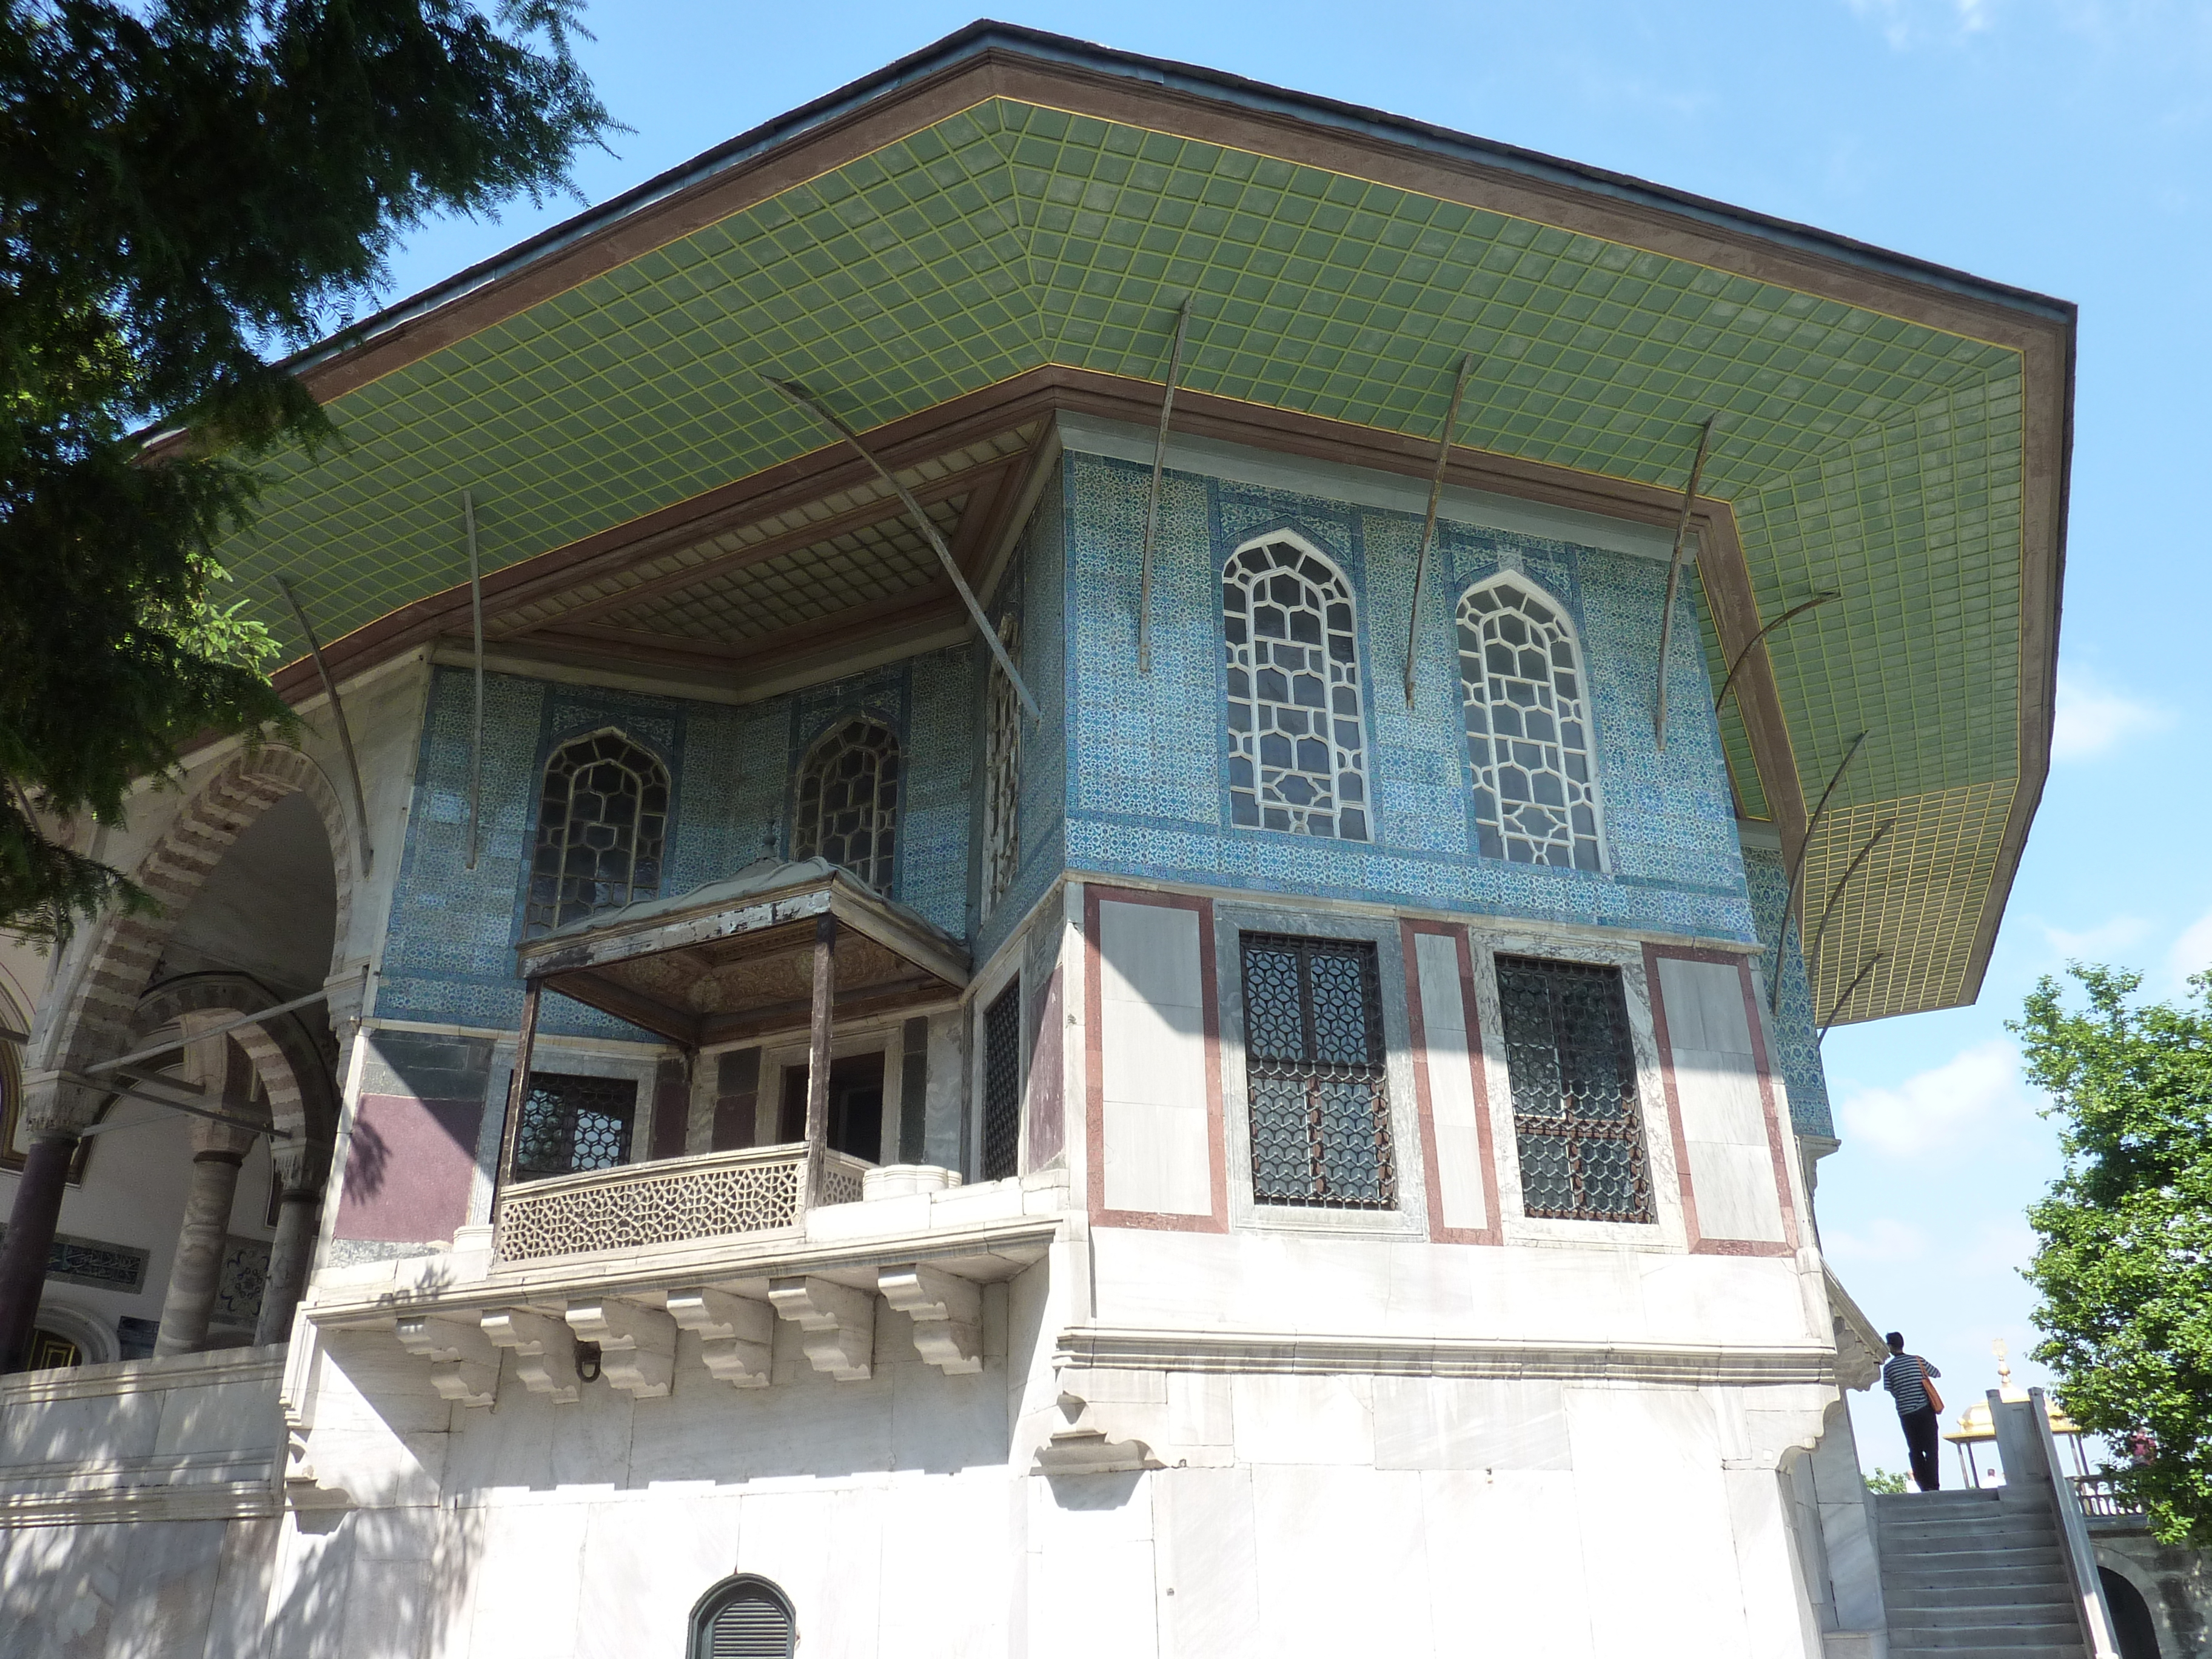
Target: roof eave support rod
1674 580
1428 524
475 629
1849 991
799 394
1797 873
1744 655
1835 897
337 714
110 1087
259 1016
1152 497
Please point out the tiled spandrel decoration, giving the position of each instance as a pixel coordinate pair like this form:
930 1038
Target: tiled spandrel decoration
1528 734
1295 745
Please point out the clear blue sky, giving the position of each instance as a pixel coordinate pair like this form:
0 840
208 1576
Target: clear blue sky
2060 145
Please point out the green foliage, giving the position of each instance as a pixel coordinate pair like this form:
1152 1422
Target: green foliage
182 183
1886 1483
2124 1267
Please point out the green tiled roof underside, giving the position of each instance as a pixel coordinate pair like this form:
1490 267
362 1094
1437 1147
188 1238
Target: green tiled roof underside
1860 451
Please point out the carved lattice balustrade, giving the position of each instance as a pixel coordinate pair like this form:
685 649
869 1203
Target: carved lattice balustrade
672 1200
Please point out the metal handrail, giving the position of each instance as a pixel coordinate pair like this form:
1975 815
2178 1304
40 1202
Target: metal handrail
2073 1530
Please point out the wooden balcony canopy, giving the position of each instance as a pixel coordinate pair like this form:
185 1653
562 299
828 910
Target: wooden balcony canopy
734 959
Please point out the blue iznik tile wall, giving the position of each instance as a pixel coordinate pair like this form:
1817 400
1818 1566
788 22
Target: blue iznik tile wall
1034 590
1147 789
1797 1039
449 944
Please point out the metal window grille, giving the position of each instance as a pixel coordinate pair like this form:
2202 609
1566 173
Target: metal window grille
1295 735
602 823
1002 1083
847 805
571 1123
747 1621
1527 737
1575 1112
1002 787
1320 1100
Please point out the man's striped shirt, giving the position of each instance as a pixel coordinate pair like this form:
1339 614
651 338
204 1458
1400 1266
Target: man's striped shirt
1901 1376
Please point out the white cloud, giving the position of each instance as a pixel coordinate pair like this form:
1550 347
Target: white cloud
2103 942
1906 23
1884 1239
2192 953
2094 717
1938 1107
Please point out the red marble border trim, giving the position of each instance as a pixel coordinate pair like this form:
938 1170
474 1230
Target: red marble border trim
1094 1064
1700 1245
1416 1026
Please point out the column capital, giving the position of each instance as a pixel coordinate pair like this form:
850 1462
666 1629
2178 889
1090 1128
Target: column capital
52 1105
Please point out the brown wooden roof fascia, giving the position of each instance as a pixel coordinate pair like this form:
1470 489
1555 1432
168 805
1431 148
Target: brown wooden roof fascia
869 1002
1725 577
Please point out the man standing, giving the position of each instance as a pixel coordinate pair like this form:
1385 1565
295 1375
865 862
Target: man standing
1906 1378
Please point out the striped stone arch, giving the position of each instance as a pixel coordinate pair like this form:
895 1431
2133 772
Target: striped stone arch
291 1063
99 1019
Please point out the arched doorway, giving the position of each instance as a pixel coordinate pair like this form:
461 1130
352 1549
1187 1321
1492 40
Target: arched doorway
2131 1617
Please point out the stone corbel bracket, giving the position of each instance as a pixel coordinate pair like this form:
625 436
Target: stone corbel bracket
295 1397
947 1312
1083 1447
544 1350
737 1333
637 1343
464 1364
837 1326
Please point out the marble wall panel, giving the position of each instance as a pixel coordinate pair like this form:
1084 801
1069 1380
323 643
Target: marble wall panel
1508 1565
1344 1564
1208 1564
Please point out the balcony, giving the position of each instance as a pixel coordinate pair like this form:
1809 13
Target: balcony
758 1189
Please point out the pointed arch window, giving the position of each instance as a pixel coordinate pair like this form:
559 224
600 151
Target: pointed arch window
1297 743
602 827
743 1618
1002 777
849 801
1529 751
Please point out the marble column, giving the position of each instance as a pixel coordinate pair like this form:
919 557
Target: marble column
197 1269
54 1111
224 1077
291 1256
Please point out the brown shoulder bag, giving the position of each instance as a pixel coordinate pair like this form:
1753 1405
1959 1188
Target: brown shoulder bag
1935 1400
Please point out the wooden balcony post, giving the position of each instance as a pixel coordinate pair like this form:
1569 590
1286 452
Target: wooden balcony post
518 1091
817 1054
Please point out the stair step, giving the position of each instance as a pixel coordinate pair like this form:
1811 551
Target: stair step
1950 1543
2073 1649
1999 1638
2052 1592
1977 1614
1914 1526
2032 1560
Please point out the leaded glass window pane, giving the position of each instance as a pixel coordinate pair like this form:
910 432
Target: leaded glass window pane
1528 730
1002 1083
602 825
1573 1075
848 797
1002 783
1314 1065
571 1123
1296 739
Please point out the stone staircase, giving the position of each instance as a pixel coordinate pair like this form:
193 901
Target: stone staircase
1975 1575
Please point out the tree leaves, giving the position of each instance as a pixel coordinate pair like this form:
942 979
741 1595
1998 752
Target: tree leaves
2124 1268
183 187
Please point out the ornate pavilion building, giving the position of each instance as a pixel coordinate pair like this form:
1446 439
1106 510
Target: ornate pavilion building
1074 839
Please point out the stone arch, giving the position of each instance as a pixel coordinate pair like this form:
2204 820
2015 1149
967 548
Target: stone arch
289 1060
98 1019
